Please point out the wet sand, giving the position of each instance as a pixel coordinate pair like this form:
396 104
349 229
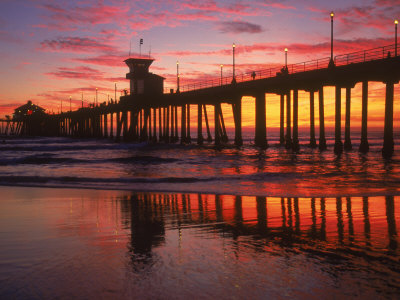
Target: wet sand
82 243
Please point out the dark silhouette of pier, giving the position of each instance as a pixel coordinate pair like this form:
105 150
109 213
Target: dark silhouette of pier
149 114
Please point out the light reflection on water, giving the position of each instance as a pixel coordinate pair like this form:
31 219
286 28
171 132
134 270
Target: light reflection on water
102 244
248 170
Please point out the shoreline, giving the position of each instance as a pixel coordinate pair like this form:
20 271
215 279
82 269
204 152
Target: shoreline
123 190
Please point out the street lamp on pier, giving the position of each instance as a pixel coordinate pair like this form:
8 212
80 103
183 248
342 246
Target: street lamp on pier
286 50
177 76
395 37
70 106
233 65
96 98
331 63
221 73
115 92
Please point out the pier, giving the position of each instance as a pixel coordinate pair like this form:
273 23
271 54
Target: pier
147 113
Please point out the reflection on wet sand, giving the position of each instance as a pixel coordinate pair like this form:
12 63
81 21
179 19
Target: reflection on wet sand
291 221
93 244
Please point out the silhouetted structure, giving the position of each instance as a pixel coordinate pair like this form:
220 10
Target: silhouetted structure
136 114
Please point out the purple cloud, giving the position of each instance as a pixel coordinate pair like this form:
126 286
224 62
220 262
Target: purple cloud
75 45
239 27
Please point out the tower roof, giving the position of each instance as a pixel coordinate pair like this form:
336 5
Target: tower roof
139 64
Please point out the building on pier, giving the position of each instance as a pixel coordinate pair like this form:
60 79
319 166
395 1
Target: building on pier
141 80
28 109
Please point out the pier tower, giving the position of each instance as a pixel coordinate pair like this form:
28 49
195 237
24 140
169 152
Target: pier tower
143 82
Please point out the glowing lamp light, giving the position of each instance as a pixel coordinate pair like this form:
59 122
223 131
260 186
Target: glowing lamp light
286 49
396 22
332 14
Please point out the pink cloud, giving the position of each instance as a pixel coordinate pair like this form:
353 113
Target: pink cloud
341 46
86 14
75 45
211 6
110 60
279 5
82 73
239 27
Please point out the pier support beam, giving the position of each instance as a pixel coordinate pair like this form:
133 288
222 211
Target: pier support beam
261 126
295 142
209 138
111 125
119 125
313 142
167 124
388 143
172 135
217 132
144 130
105 116
199 125
364 146
154 125
237 118
322 140
224 135
160 133
150 131
176 124
183 124
288 141
132 128
188 137
282 121
125 122
347 138
338 149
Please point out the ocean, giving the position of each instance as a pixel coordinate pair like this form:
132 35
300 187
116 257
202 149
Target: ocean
248 170
96 219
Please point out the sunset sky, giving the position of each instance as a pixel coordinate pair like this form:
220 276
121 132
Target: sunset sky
51 50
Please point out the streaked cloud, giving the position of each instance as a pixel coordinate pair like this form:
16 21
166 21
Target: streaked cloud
239 27
76 45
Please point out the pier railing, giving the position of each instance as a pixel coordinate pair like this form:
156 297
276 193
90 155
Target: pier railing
340 60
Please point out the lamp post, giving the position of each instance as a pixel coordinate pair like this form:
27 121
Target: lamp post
96 98
61 106
286 50
70 107
82 99
177 76
332 15
221 73
395 37
115 92
233 65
